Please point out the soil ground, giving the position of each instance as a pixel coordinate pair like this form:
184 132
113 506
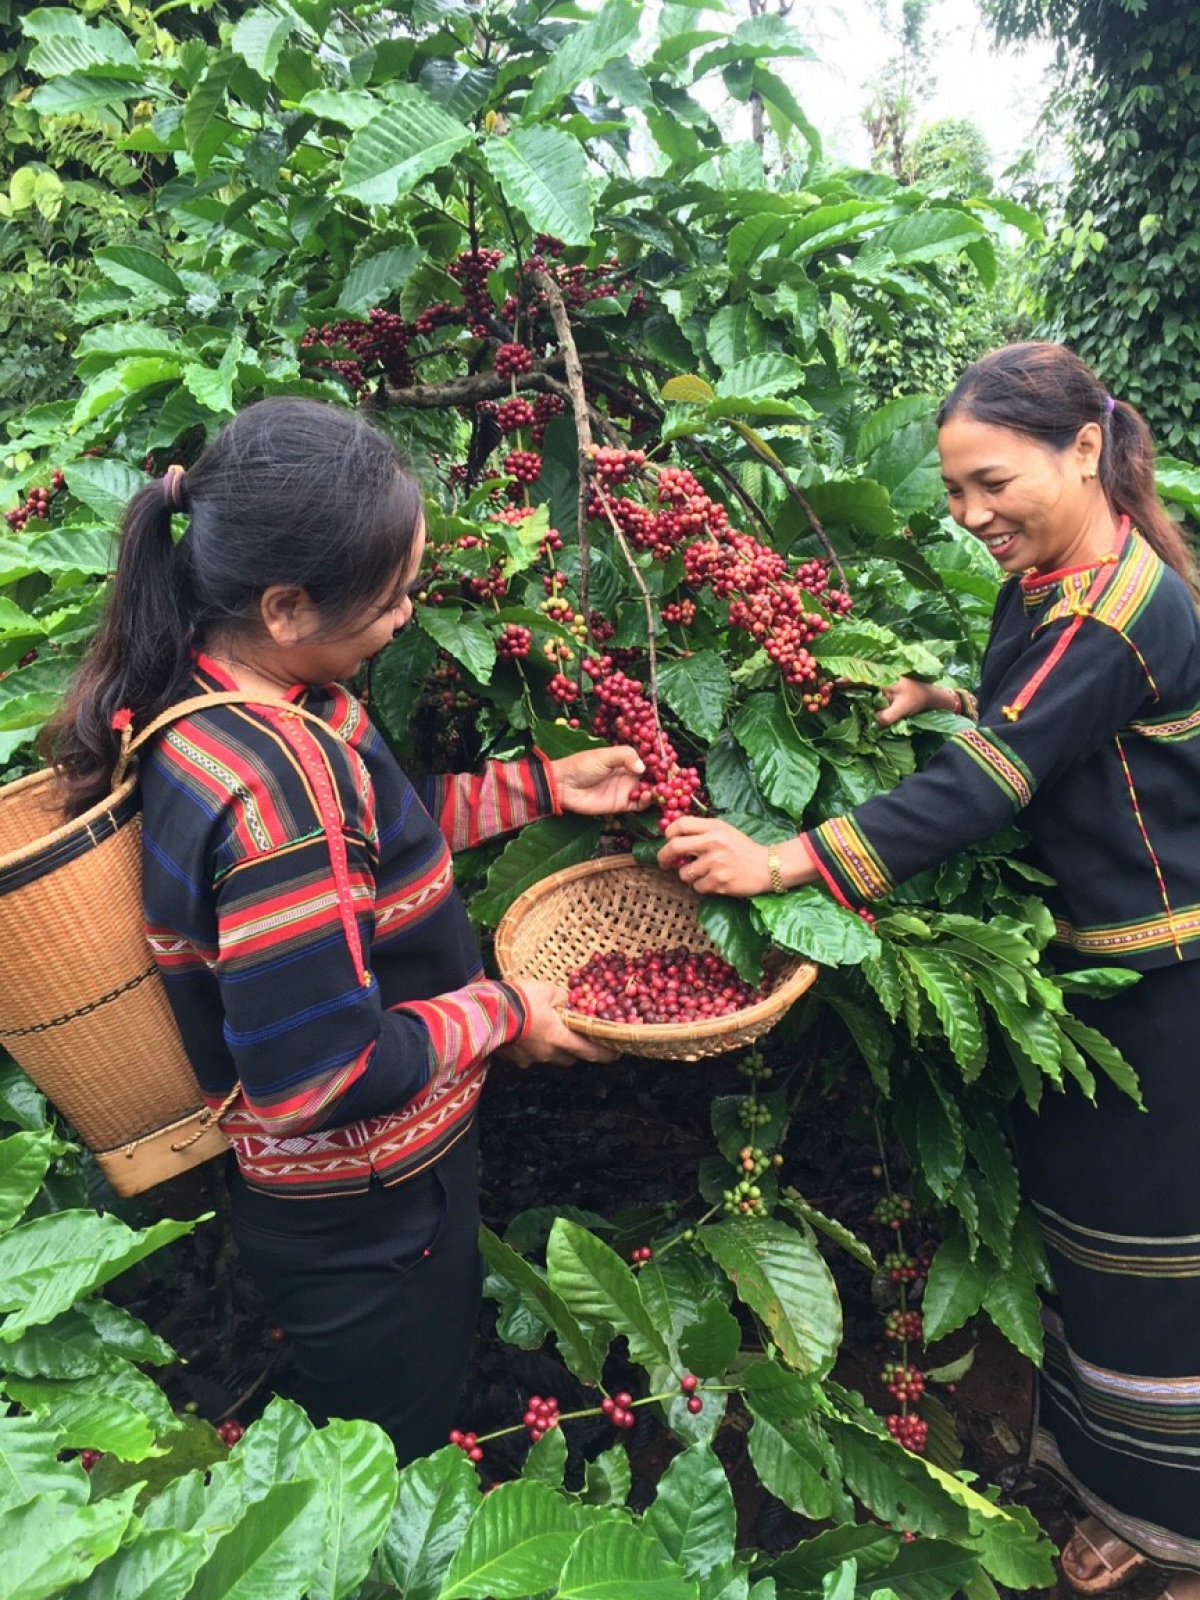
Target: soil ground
615 1140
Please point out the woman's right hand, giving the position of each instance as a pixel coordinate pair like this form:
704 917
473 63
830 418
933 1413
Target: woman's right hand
548 1038
908 697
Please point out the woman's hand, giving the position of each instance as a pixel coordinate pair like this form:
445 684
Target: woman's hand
549 1039
908 697
714 857
596 782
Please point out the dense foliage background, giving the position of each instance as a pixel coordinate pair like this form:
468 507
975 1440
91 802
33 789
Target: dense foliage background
517 236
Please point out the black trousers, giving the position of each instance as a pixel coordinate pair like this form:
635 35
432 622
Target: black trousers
378 1292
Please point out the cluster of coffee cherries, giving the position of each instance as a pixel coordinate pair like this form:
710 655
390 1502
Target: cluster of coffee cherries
230 1431
667 985
470 271
909 1430
468 1443
36 504
689 1383
540 1416
626 715
618 1408
902 1382
893 1211
380 343
904 1327
640 1255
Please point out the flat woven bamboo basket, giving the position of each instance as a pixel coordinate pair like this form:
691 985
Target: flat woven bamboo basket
615 904
82 1007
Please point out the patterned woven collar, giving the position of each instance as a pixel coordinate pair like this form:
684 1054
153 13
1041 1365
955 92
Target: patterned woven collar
1039 587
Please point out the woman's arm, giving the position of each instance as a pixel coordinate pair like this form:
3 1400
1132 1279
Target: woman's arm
472 807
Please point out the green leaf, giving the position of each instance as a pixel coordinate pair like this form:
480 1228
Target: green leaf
1105 1054
788 1459
547 1459
438 1496
781 1276
955 1289
583 53
872 1035
515 1544
272 1552
377 279
608 1479
68 45
25 1158
770 374
729 923
1012 1302
900 1488
50 1545
213 386
597 1286
620 1561
47 1264
697 689
990 1148
355 1462
953 1001
693 1516
852 503
541 848
463 635
709 1345
542 173
103 485
158 1565
141 270
830 1227
581 1353
205 130
411 139
30 1467
688 388
259 37
786 766
810 923
122 1412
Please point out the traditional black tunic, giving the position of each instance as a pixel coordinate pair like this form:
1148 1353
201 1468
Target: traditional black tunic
1089 728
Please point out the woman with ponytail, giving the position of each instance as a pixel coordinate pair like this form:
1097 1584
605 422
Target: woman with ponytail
1087 732
300 900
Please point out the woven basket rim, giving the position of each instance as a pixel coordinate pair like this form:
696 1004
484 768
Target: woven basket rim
64 830
785 993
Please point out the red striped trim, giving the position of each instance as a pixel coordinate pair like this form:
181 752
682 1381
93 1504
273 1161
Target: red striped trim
1015 707
829 880
1137 811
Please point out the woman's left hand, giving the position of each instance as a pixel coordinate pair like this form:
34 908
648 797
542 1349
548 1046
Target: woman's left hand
714 857
596 782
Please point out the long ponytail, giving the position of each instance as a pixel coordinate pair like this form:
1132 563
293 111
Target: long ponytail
138 657
1047 393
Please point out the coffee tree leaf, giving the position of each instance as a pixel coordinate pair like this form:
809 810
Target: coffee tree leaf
782 1278
582 1351
830 1227
789 1463
355 1462
621 1561
955 1289
697 689
408 141
709 1345
515 1544
693 1516
121 1413
785 765
436 1499
810 923
731 926
271 1552
585 52
50 1545
30 1466
893 1483
597 1286
258 38
158 1565
542 173
608 1478
542 848
25 1158
547 1459
463 635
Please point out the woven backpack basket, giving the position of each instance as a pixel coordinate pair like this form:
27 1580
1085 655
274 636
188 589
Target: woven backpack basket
615 904
83 1010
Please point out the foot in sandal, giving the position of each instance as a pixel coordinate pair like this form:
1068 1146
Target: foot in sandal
1095 1561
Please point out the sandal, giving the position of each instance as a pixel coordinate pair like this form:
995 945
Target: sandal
1095 1560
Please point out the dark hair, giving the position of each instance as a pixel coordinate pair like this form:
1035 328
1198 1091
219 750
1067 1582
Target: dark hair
1045 392
290 492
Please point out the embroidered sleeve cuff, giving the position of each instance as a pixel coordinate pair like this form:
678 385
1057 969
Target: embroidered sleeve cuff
467 1025
847 862
969 706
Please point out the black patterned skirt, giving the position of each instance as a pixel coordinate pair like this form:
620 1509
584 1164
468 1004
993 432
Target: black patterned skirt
1117 1193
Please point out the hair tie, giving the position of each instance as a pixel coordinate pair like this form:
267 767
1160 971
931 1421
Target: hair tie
1110 405
174 488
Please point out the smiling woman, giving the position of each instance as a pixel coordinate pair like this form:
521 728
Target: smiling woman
1088 731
